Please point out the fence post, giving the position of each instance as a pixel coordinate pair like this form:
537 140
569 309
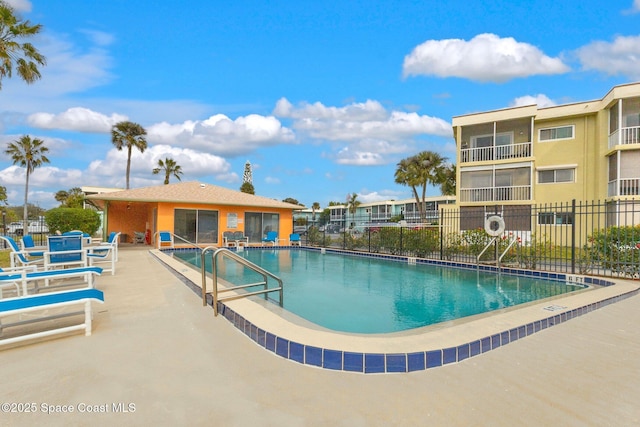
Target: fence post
573 236
440 228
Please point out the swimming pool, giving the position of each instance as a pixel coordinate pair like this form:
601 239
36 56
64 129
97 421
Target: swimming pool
372 295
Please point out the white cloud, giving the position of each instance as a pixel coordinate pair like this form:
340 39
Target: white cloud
20 5
272 180
194 165
540 100
76 118
356 112
380 196
620 57
485 58
69 69
358 121
221 135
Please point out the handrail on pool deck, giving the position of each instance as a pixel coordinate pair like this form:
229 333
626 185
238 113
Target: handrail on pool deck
226 252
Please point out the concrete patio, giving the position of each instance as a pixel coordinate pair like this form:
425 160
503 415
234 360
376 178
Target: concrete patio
157 357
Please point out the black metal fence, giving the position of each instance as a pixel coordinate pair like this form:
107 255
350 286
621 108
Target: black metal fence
598 238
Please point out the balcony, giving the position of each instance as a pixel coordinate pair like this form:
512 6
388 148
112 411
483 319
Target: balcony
495 152
624 187
495 194
624 136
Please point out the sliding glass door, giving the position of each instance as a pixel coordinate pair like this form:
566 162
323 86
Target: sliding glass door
196 225
257 224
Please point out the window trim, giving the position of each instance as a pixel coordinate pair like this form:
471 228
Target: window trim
573 133
555 169
555 216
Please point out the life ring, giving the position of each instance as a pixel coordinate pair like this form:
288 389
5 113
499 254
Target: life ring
491 229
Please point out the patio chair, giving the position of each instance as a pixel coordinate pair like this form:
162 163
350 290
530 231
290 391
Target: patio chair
86 238
228 239
105 253
30 247
272 237
18 257
240 238
138 237
294 239
165 238
64 251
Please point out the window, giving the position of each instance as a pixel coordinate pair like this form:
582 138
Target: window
562 132
555 218
556 175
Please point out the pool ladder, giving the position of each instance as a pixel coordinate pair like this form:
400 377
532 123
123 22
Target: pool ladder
222 252
497 261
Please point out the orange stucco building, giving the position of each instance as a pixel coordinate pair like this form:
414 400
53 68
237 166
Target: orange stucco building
194 212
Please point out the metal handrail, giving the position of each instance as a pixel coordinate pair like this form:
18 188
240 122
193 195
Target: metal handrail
229 254
155 236
485 249
513 241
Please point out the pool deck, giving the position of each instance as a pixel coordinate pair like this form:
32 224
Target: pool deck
156 347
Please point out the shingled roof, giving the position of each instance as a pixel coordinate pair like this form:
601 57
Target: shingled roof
192 192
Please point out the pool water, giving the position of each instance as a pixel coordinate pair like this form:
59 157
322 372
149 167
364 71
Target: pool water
369 295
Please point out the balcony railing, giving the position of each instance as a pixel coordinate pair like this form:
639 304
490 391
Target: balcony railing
491 194
624 187
496 152
624 136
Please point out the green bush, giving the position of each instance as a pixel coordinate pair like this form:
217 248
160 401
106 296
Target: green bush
531 253
616 248
67 219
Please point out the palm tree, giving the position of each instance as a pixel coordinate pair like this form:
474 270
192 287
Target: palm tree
314 207
448 185
417 171
74 198
30 154
128 134
352 205
25 57
170 167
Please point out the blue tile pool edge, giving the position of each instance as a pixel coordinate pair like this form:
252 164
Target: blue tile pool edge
349 361
368 363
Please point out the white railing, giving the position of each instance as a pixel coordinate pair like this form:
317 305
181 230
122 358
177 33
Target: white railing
490 194
496 152
624 136
624 187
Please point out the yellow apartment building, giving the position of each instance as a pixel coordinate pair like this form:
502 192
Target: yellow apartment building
513 159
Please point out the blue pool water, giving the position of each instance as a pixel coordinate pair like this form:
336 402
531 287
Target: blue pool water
369 295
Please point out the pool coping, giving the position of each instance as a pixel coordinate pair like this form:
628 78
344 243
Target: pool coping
292 338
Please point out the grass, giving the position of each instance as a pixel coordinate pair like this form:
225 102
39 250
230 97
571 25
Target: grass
4 258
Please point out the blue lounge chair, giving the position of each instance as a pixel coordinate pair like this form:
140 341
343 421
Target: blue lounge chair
23 277
294 239
20 258
30 247
35 303
272 237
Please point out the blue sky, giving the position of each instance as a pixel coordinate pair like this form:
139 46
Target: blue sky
323 98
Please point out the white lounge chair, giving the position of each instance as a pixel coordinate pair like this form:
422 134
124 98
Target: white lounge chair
20 258
44 302
23 277
106 253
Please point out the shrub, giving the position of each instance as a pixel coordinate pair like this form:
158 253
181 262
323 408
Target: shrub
618 249
67 219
